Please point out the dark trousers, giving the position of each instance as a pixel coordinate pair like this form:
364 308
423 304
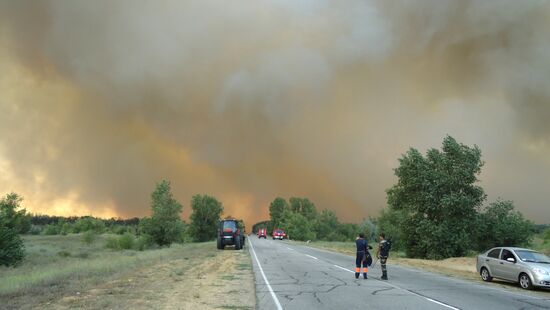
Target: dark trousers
383 260
361 259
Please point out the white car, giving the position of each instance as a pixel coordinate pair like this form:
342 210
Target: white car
526 267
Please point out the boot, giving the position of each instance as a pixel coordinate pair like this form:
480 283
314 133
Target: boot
364 275
384 275
357 275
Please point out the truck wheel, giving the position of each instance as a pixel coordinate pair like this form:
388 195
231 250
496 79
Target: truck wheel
238 245
220 243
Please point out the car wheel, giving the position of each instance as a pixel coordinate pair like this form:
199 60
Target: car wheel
485 276
220 244
525 282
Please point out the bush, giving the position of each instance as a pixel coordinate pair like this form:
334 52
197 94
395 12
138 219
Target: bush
66 228
112 243
143 242
119 230
126 241
35 230
88 237
89 223
51 230
12 250
501 225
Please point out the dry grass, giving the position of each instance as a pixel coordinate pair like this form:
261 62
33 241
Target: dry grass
62 272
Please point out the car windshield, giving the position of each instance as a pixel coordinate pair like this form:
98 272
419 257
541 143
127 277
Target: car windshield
279 231
533 257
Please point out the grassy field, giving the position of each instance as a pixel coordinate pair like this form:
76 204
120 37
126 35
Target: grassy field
64 272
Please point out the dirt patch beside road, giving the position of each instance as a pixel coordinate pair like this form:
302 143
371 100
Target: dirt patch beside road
202 278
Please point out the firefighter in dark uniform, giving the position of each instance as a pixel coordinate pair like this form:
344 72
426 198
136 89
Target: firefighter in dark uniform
382 254
363 256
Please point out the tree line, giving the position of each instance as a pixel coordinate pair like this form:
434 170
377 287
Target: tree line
301 220
437 209
164 227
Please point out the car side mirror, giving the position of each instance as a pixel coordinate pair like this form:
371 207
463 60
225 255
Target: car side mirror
511 259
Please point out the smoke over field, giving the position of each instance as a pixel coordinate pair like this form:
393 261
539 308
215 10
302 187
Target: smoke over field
254 99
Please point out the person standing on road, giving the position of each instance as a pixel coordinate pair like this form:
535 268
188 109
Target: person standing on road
382 254
362 256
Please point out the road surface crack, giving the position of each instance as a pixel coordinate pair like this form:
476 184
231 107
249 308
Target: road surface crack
382 290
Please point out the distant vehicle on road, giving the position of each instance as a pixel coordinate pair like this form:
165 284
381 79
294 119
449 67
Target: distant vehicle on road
526 267
231 232
279 234
262 233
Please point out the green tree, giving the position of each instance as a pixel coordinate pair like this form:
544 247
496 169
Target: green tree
205 217
389 223
276 209
501 225
297 226
440 199
370 228
326 225
12 250
165 225
304 207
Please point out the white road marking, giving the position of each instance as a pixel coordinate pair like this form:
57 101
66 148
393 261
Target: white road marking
413 293
275 299
290 248
311 256
342 268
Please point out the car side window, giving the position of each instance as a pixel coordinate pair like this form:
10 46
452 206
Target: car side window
494 253
506 254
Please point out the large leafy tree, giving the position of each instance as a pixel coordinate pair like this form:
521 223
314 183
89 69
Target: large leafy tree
205 217
12 250
439 198
276 210
165 225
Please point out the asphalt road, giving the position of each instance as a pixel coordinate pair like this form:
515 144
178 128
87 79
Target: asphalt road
290 276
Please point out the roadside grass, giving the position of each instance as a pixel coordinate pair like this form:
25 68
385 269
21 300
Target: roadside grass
71 272
58 265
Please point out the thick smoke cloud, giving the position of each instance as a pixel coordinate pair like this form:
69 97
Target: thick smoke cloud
248 101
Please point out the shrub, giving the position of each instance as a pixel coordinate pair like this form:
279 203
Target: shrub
51 230
35 230
119 230
112 242
126 241
143 242
12 250
88 237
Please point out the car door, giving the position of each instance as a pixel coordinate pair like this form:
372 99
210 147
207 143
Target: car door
492 261
508 270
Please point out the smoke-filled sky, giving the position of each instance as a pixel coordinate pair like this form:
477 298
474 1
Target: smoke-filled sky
249 100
